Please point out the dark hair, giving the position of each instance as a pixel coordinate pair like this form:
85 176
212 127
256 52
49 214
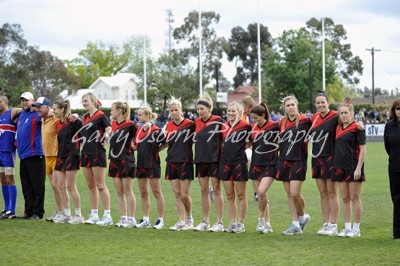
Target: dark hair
261 110
323 94
392 112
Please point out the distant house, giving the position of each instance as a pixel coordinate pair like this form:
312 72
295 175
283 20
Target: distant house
240 92
121 87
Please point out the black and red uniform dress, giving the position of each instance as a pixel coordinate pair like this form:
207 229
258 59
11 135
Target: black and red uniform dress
265 150
121 155
180 152
233 163
148 160
347 151
293 148
323 132
92 135
208 146
68 145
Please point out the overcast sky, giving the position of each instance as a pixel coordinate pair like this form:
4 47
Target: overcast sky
64 27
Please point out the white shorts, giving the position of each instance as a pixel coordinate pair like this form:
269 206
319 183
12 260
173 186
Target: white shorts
7 170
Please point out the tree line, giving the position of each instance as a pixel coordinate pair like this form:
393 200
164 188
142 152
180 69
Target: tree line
286 61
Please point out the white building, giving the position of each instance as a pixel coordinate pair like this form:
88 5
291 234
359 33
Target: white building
121 87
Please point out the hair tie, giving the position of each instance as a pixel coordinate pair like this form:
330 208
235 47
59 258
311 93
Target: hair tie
347 101
206 104
98 102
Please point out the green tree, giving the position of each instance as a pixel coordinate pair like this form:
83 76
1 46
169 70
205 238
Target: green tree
98 59
243 50
348 65
287 62
212 46
26 68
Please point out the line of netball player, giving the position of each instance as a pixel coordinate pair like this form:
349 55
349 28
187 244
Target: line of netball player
279 153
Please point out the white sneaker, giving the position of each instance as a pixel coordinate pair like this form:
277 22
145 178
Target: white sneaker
354 233
267 229
230 228
344 232
189 224
324 230
203 226
61 219
53 216
178 226
123 223
159 224
143 224
239 228
217 227
260 226
307 218
93 219
105 221
332 230
76 219
131 223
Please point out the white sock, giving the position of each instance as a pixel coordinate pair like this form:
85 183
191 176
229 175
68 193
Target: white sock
296 224
356 226
124 217
161 219
94 212
347 226
301 219
260 219
67 211
146 218
107 213
78 212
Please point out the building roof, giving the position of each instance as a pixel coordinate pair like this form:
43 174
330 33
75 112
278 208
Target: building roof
116 81
240 92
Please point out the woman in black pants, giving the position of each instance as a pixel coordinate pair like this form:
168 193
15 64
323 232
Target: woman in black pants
392 146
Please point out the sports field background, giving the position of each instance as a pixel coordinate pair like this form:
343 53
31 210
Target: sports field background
25 242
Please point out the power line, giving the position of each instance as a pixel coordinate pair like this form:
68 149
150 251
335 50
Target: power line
373 50
389 51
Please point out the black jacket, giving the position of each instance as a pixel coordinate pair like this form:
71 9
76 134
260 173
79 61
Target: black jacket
392 144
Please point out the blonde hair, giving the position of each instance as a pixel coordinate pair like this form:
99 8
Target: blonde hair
92 98
175 101
248 102
284 100
147 111
239 107
351 108
124 107
206 98
66 105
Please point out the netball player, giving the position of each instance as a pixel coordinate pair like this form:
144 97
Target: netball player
350 150
264 137
179 171
122 162
206 158
67 164
324 124
95 128
147 142
233 166
292 163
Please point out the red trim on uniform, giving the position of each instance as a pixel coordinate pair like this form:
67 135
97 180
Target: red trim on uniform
33 132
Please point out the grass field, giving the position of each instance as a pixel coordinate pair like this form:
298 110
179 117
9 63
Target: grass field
43 243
